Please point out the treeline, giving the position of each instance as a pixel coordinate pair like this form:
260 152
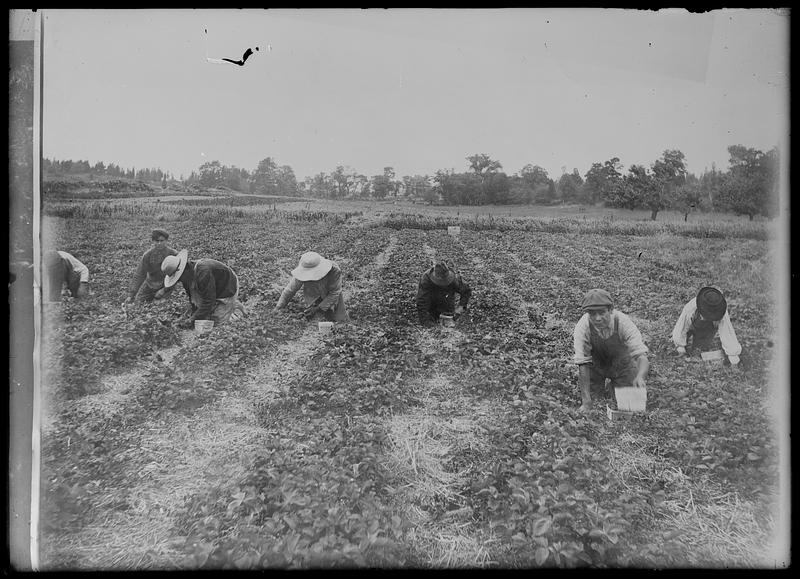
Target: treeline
54 169
749 186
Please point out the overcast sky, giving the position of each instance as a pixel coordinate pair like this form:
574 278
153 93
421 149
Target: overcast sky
415 89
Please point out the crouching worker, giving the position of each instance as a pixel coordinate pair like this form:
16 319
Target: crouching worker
608 345
321 281
212 287
436 293
706 322
149 276
63 269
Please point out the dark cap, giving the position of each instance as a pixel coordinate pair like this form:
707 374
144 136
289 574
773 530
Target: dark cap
597 298
711 303
160 233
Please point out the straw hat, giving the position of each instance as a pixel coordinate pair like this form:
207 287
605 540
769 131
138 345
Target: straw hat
172 267
442 274
711 303
312 267
597 298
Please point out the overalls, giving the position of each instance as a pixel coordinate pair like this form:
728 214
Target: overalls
610 359
704 332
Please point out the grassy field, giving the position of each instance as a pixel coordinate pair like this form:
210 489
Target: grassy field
265 444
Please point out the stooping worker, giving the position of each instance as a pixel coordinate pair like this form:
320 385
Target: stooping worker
64 269
212 287
705 320
149 276
436 293
321 281
608 345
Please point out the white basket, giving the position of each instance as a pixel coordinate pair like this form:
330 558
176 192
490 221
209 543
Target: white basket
325 327
712 356
453 229
631 399
203 326
446 321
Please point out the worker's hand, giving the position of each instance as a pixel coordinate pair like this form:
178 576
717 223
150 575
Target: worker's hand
160 293
185 324
310 311
459 310
128 300
586 406
734 360
638 382
681 350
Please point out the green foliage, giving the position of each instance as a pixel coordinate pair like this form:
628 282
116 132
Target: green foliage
97 338
751 184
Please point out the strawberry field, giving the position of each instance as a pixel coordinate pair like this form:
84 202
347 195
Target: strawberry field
385 444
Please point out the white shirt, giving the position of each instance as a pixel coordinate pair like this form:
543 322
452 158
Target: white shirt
77 266
628 333
724 330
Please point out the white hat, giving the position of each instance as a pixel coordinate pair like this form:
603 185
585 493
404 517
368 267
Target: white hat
172 267
312 267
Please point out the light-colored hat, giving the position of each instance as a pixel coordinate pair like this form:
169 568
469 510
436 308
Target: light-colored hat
312 267
172 267
442 274
597 298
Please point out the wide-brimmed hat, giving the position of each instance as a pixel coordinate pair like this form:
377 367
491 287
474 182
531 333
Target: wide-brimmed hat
711 303
172 267
312 267
442 274
597 298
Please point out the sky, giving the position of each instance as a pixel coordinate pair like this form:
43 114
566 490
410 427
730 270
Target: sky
418 90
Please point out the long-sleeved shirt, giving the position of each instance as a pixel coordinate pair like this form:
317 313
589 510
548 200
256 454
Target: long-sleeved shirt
628 333
429 293
329 288
724 327
212 280
150 268
75 265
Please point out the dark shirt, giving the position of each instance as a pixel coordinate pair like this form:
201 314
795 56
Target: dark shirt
150 267
213 280
429 294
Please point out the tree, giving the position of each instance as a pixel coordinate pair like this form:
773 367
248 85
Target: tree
669 173
264 180
343 179
285 181
630 191
211 174
688 196
383 185
601 179
481 163
320 185
569 187
751 183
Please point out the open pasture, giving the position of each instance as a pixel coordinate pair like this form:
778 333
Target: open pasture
264 444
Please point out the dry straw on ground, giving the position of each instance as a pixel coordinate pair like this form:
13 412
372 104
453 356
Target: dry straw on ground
721 532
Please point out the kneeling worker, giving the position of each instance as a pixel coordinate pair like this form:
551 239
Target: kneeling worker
608 345
212 287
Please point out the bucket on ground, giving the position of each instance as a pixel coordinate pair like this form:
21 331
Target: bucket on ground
453 229
631 399
203 326
325 327
712 356
447 320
